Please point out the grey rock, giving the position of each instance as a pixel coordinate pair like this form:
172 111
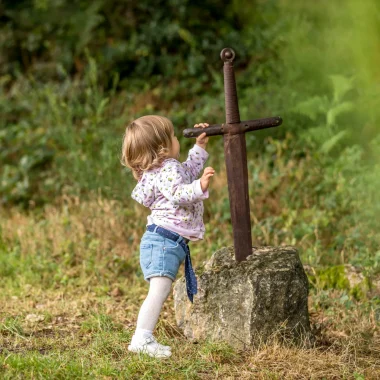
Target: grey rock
244 303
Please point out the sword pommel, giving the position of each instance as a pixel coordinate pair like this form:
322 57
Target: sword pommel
227 55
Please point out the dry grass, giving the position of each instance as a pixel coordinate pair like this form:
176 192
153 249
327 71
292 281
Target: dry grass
86 306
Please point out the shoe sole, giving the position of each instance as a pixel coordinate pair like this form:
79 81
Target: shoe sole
161 345
157 354
168 348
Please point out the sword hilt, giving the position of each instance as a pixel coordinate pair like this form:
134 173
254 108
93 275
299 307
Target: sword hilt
231 101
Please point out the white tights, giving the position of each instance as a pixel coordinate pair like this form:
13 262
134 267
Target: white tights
159 291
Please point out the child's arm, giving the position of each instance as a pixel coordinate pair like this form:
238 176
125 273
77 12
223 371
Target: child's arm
170 184
197 155
195 161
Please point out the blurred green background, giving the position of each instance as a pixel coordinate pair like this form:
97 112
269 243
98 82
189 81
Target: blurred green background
74 73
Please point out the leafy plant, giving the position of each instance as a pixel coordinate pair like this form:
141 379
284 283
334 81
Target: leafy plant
325 111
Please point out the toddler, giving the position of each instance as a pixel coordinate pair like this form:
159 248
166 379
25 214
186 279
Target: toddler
174 195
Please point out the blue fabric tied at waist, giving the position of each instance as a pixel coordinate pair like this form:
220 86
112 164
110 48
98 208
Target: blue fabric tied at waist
191 280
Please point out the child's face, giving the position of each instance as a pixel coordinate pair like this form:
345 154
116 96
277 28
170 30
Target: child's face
174 153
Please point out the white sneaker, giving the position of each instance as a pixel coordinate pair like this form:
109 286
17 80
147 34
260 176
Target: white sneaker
151 347
138 340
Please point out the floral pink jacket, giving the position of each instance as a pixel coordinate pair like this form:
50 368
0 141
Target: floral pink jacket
174 194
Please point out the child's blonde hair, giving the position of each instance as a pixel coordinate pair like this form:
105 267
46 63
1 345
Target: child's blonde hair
146 143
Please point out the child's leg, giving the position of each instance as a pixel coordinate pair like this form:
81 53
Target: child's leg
159 291
143 340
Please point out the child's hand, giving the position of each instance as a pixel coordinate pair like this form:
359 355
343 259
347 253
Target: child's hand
201 140
205 179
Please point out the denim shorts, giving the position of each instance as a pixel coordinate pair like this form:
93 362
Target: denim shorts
160 256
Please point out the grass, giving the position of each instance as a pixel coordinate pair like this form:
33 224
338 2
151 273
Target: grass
71 288
87 335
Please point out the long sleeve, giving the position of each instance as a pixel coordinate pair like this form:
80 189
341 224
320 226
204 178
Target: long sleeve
170 183
195 161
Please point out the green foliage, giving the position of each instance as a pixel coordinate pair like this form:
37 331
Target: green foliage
56 124
333 277
35 269
327 134
321 206
12 326
45 366
134 39
73 74
99 323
